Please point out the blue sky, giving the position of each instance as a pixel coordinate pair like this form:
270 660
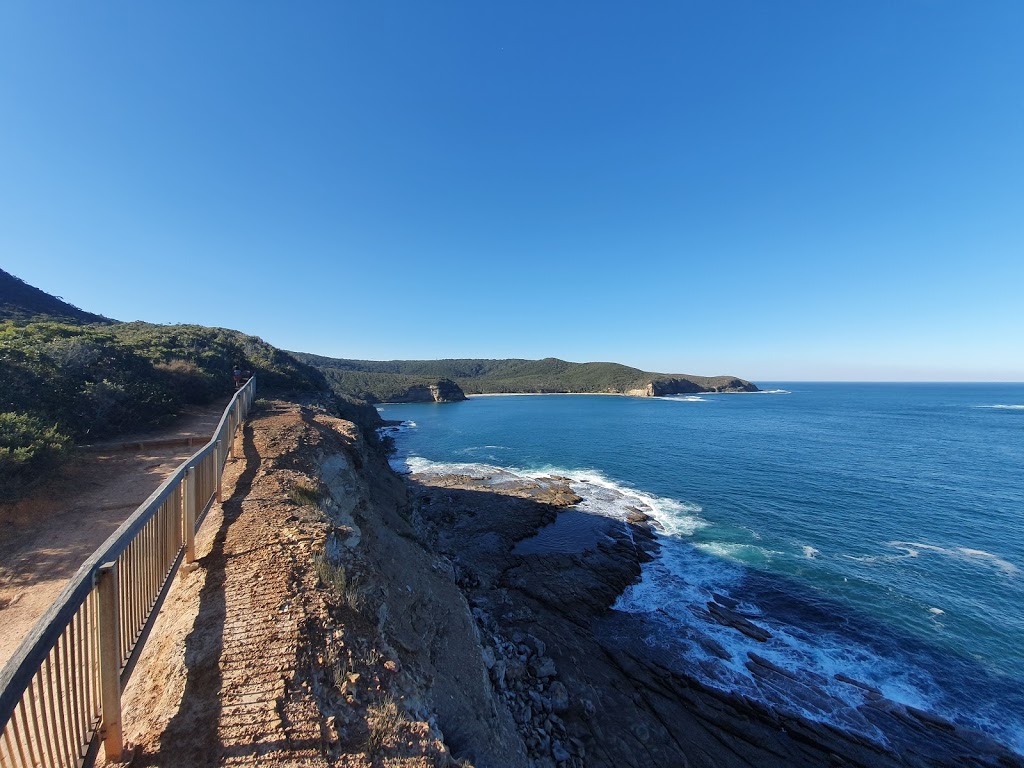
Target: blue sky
777 190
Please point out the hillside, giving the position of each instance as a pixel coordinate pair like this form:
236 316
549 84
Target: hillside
377 380
24 303
69 376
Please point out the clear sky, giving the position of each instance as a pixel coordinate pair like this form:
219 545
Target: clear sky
776 190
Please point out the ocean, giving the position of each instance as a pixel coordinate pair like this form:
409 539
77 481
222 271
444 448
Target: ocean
875 530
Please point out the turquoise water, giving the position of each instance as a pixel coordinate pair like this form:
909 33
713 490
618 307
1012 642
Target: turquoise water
877 530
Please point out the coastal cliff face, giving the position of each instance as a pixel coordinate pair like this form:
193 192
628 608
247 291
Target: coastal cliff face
693 385
441 391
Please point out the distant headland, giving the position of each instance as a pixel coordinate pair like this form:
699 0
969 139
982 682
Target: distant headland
402 381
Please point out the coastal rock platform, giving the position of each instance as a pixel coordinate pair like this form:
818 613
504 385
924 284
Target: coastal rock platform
581 680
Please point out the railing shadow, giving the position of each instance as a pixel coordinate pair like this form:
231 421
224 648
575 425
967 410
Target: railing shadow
191 736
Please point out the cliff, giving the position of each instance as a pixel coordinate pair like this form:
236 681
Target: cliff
441 391
692 385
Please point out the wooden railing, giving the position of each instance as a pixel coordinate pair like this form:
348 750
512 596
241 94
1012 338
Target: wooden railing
60 695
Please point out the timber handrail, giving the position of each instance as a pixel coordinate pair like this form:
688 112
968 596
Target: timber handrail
60 694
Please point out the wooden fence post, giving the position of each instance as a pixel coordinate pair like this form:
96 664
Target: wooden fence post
110 661
218 468
189 514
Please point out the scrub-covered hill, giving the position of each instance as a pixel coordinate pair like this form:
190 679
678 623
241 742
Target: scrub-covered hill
23 302
376 380
70 376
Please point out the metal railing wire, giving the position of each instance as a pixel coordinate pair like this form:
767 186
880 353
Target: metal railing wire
60 694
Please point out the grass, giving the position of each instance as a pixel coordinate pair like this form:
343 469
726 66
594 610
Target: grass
306 495
334 576
385 720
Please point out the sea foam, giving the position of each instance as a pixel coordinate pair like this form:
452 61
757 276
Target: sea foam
964 554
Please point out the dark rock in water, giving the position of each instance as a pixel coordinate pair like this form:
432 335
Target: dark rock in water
763 662
930 719
850 681
730 618
728 602
634 515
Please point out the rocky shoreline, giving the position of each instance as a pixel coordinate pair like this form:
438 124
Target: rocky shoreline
581 683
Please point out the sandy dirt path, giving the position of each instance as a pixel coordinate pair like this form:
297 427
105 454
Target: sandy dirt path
246 648
45 537
226 642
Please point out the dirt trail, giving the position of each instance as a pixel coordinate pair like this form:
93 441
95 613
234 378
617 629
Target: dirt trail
250 650
45 537
225 644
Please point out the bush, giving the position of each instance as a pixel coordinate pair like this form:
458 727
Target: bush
194 385
28 448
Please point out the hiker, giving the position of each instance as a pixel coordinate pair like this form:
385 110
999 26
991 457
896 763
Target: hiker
237 373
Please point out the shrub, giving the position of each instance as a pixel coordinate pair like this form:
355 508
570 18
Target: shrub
190 382
28 447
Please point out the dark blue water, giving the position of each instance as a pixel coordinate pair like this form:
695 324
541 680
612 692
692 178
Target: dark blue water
877 530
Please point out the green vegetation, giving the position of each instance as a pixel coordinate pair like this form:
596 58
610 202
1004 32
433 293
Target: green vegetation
28 448
306 495
64 383
373 387
381 381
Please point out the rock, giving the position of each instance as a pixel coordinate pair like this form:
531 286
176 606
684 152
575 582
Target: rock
730 618
498 673
728 602
589 710
577 747
440 391
763 662
543 666
559 752
559 697
488 656
520 614
536 644
850 681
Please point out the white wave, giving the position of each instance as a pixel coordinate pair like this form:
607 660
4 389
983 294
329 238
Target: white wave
1003 407
810 552
748 554
936 611
683 398
774 392
965 554
395 429
601 495
675 591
